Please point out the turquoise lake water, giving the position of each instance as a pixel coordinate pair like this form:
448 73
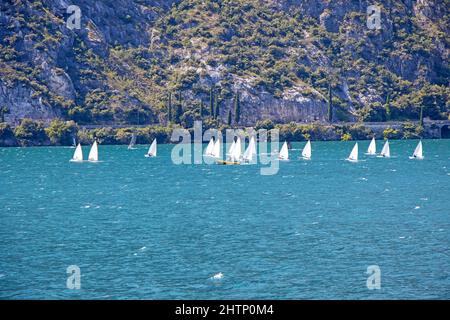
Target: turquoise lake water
142 228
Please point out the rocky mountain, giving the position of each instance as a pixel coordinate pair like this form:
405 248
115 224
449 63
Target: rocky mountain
282 58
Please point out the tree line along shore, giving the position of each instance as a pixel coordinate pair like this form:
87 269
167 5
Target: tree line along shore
64 133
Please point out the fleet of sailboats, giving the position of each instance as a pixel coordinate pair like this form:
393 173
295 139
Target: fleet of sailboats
235 155
418 153
152 150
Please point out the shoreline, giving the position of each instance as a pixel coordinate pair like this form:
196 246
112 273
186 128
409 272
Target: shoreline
63 133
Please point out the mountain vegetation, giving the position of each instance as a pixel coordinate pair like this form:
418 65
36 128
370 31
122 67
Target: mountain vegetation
224 61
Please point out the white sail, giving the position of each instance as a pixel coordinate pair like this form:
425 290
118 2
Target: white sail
93 153
152 150
74 143
78 154
216 149
250 153
231 150
386 152
209 148
306 153
132 142
236 154
418 152
284 152
372 150
354 154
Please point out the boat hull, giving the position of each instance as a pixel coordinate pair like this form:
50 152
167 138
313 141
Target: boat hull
227 163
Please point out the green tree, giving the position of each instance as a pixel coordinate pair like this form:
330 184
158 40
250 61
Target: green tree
390 133
264 124
211 101
3 110
169 107
178 113
346 137
30 132
330 103
421 116
180 98
202 109
237 108
61 132
387 107
229 118
216 107
7 137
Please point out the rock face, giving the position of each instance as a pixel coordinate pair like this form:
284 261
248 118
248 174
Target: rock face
22 105
280 55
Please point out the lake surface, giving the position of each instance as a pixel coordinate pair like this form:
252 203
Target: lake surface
142 228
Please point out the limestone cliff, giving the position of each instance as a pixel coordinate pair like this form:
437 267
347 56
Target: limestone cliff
280 56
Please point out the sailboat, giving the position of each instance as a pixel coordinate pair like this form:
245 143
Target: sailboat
132 142
418 152
78 154
215 153
250 153
93 153
234 154
372 150
284 152
210 148
152 150
353 157
306 153
74 143
385 152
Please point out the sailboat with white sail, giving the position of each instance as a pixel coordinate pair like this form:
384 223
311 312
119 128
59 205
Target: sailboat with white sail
132 144
209 148
74 143
386 151
306 153
418 152
216 149
93 153
152 150
234 154
78 154
250 153
372 150
284 152
353 157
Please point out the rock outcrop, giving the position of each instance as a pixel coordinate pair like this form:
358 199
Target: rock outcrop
280 55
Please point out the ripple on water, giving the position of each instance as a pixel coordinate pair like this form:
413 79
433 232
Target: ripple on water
255 227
